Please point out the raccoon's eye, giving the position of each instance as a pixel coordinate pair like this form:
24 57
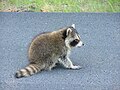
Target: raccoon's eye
74 42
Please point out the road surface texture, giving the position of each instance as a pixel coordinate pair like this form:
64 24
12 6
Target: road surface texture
99 58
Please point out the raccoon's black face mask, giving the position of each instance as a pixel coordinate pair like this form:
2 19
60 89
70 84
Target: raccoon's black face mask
74 42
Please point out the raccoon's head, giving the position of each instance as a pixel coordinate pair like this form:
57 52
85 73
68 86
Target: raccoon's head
72 38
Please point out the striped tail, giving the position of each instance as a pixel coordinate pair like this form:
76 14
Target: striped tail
27 71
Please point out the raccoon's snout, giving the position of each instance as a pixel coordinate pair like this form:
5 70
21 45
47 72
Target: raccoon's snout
80 44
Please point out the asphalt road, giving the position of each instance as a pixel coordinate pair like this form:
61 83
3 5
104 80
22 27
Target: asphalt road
100 57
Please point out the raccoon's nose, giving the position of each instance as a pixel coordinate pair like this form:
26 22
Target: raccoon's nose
83 44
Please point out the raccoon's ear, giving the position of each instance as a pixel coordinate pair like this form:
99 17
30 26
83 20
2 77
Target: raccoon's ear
68 31
73 25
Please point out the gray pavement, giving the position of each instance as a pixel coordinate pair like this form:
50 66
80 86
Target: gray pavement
100 57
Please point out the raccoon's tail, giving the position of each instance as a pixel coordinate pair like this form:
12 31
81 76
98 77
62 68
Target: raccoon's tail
28 71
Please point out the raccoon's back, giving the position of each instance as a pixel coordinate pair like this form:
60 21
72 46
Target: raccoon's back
44 46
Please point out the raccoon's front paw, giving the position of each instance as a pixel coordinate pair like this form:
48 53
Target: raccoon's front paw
76 67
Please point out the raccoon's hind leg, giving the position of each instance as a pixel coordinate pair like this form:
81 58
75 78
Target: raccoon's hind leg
29 70
67 63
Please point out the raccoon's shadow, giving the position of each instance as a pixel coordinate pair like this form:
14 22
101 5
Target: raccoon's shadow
59 66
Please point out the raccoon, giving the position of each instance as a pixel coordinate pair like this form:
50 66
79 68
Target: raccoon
48 49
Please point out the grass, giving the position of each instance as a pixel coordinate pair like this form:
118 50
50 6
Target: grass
62 5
